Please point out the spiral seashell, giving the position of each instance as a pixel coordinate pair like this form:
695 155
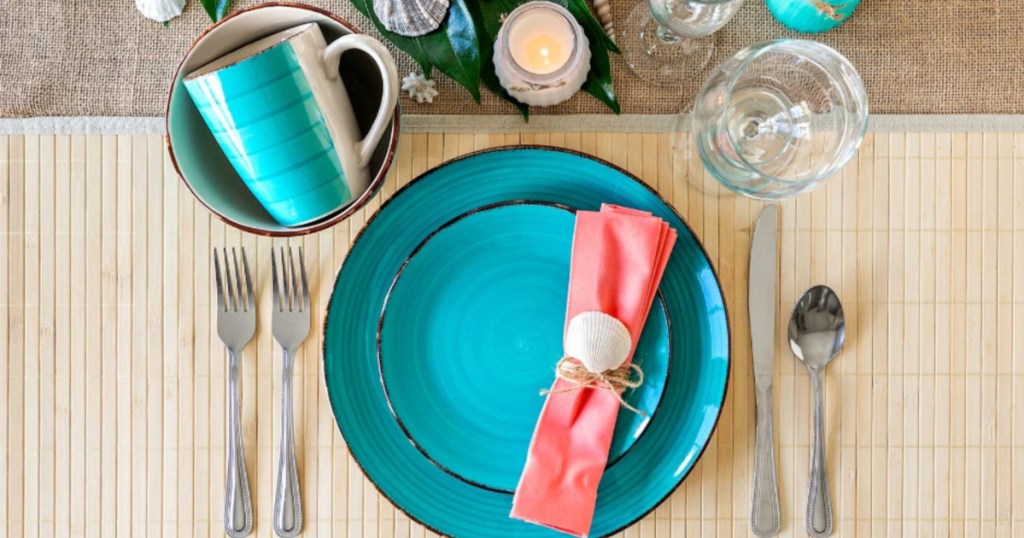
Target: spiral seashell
599 341
411 17
603 8
160 10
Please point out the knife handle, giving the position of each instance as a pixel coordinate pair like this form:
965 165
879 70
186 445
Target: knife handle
765 518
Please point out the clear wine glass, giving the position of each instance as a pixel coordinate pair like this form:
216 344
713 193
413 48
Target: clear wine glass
666 41
777 118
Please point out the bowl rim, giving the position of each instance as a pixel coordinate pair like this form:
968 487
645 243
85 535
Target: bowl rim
319 225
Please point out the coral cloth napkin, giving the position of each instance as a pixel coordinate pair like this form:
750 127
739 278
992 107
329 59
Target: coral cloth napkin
618 258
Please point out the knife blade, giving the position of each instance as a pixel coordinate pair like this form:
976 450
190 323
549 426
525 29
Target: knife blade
762 294
765 518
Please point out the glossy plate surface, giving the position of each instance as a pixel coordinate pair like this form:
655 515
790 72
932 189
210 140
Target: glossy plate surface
672 441
471 331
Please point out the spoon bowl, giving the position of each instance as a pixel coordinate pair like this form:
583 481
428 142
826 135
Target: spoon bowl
817 328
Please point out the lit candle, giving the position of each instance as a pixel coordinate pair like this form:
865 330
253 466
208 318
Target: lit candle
540 41
541 56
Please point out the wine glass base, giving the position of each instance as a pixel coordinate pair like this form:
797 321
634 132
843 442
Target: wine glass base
684 150
662 60
699 180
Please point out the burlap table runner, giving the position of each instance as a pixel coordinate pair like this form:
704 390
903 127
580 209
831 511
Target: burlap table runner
72 58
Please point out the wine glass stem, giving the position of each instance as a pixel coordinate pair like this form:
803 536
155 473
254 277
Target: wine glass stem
666 36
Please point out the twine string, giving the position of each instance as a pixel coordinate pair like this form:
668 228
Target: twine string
616 381
829 10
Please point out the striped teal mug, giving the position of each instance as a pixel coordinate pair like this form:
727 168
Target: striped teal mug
279 111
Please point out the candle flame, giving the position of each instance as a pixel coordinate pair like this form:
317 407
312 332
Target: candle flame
540 50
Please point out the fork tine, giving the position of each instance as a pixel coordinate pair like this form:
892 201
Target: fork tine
250 296
273 278
305 285
240 301
227 276
286 299
296 304
220 287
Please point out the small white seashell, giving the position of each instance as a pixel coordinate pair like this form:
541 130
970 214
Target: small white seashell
411 17
603 8
597 340
419 87
160 10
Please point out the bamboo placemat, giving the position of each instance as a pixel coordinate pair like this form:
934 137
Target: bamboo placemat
112 379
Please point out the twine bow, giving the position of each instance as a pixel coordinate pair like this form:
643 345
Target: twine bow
616 381
829 10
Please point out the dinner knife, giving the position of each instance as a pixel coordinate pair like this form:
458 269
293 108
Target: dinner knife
765 518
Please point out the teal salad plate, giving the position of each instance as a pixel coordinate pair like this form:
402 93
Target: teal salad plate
369 294
471 331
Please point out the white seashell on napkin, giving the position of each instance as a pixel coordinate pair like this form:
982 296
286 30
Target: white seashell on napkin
599 341
160 10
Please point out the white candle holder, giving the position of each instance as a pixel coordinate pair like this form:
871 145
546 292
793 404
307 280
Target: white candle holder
542 89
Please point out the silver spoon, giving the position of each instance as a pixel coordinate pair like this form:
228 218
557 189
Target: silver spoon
817 331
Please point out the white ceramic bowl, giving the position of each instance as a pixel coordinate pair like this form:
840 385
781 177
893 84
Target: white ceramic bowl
199 160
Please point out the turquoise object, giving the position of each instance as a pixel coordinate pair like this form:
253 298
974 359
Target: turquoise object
194 152
672 441
264 116
478 310
811 16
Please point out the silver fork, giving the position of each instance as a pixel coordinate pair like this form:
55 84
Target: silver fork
236 324
291 327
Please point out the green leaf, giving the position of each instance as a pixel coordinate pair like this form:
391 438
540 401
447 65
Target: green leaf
592 19
488 14
216 9
492 13
454 48
599 80
404 43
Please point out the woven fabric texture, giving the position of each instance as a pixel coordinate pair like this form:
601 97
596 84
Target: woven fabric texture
68 58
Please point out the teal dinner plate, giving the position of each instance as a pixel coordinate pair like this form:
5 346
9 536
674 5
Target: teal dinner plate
471 331
672 440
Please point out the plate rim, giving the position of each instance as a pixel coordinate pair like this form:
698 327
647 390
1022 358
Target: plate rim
535 147
383 311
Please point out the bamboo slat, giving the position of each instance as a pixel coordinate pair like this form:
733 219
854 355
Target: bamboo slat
112 379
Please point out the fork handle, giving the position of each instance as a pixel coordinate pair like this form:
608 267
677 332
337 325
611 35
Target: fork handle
237 502
287 500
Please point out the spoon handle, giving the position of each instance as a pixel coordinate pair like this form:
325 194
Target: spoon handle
765 518
819 504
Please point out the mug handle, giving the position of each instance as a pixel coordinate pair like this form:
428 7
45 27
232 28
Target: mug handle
386 63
